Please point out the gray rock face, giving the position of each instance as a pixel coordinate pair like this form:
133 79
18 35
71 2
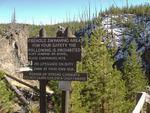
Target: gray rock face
128 28
119 26
13 49
117 29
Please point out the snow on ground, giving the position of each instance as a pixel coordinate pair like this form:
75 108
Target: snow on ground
111 26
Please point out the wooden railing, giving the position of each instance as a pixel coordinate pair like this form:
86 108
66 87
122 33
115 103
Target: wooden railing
142 98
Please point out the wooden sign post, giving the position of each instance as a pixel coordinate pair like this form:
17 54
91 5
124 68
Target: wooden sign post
65 101
54 58
43 101
65 86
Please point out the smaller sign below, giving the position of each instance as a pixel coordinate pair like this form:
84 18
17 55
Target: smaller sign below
55 76
65 85
54 67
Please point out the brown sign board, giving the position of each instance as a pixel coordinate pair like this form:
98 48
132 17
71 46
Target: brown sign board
55 76
54 59
54 49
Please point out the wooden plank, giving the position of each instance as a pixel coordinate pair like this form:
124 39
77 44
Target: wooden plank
141 98
55 76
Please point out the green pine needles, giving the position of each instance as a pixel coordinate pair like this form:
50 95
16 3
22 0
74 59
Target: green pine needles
107 90
134 77
104 92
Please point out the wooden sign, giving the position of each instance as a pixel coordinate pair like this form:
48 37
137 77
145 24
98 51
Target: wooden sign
54 49
32 75
54 59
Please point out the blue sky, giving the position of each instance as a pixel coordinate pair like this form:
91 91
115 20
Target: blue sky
53 11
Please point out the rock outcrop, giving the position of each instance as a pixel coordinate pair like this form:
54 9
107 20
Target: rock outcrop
13 48
122 30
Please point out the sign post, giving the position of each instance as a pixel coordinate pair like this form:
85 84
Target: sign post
65 101
43 102
54 59
65 86
42 83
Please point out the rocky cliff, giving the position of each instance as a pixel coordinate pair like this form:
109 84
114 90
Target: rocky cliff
123 29
13 48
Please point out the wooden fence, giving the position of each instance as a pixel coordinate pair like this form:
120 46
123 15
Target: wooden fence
142 98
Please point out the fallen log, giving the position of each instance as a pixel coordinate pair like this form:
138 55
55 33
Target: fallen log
35 88
19 94
24 83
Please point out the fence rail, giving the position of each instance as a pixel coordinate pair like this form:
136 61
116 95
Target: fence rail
142 98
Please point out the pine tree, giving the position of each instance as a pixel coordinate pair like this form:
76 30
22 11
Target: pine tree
134 77
105 90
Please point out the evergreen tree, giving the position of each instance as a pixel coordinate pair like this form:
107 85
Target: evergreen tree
105 90
134 77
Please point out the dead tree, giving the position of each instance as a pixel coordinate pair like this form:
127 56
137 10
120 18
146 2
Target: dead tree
19 94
